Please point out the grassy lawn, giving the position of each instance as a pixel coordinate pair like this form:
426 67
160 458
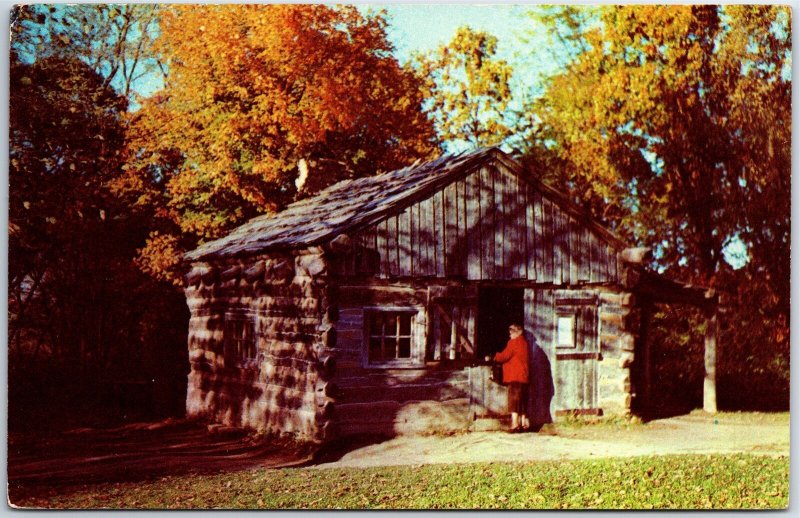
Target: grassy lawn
745 417
722 417
671 482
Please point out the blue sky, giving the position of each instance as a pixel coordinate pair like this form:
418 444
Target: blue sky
415 27
424 27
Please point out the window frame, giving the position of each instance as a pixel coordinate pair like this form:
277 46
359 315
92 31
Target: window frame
236 358
573 316
414 359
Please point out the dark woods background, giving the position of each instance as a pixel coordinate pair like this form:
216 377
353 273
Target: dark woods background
91 337
138 131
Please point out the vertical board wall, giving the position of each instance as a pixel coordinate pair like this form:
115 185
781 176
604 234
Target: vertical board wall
489 225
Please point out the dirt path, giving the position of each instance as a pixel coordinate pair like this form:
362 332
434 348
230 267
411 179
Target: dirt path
147 450
140 451
677 435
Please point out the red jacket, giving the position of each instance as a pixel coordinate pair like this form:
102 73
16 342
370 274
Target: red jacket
515 361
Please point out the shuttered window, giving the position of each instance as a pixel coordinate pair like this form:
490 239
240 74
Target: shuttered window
240 340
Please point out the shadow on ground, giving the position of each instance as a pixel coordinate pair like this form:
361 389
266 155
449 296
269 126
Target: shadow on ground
140 451
338 448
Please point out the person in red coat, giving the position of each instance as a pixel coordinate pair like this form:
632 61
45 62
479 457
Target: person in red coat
515 374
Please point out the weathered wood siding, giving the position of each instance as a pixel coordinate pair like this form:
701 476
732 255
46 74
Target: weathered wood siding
281 390
416 399
489 225
596 375
303 320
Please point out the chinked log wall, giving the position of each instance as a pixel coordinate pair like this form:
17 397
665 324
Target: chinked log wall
438 398
491 226
618 326
284 388
488 225
485 226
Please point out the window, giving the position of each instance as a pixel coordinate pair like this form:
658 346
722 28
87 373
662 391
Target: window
390 336
240 340
565 331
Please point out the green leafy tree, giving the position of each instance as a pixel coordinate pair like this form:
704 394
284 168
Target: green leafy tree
65 141
115 40
81 315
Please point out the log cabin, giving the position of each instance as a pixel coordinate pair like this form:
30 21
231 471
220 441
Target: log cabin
371 307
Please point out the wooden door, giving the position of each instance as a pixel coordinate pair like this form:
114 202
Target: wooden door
577 353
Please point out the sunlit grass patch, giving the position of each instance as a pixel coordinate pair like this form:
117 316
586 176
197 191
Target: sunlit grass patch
666 482
745 417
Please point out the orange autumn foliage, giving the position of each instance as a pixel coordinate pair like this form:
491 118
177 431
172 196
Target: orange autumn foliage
253 92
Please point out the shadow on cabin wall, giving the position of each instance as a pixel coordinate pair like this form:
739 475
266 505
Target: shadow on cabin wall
541 389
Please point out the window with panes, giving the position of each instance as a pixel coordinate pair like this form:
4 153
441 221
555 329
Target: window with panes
390 336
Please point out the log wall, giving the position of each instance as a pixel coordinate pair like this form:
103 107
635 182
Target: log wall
489 225
439 395
282 389
424 396
311 377
618 324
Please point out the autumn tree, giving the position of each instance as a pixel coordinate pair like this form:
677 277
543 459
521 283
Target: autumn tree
673 124
469 91
646 116
262 105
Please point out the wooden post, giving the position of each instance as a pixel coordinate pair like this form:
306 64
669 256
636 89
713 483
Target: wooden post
647 356
453 352
436 322
710 380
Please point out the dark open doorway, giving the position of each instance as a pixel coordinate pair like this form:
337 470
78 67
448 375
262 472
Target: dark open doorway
497 309
668 373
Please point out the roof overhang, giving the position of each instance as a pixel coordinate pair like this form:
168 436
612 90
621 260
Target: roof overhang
657 289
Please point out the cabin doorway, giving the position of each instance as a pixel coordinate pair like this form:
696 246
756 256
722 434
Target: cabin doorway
497 309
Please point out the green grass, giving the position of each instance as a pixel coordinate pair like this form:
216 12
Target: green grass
634 422
670 482
730 417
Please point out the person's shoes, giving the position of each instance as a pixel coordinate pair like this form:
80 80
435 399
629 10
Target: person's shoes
515 430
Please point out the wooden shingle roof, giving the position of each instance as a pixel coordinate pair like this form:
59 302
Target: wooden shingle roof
342 207
354 204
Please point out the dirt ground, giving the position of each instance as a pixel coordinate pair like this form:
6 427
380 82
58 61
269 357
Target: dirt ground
141 451
151 450
701 434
